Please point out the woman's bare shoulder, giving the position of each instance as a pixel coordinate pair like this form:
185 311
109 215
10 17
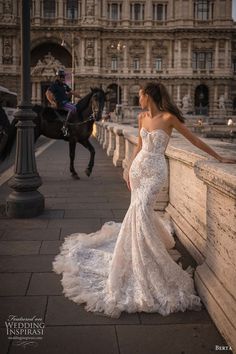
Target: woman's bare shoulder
171 118
141 116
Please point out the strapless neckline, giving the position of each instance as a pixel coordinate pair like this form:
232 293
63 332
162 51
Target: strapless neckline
155 130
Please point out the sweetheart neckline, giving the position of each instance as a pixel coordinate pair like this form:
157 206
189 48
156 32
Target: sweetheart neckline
150 132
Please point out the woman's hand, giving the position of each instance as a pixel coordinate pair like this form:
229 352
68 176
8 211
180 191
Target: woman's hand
226 160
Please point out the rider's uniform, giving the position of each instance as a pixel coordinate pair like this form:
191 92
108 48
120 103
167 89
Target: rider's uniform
60 91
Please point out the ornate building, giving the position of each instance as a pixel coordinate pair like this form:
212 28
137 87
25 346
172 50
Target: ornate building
120 44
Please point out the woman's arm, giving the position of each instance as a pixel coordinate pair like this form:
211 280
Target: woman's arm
181 127
139 145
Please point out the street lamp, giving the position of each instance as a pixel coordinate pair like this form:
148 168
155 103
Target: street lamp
25 201
119 47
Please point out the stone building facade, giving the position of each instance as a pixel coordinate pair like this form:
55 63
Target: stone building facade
190 45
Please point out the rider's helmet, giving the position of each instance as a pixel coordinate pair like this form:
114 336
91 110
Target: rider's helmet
60 73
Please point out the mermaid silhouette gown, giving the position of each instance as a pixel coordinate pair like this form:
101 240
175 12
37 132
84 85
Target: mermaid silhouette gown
127 266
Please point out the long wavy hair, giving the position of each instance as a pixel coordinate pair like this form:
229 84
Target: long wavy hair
158 92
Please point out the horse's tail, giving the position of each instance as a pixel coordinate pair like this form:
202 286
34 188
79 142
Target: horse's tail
10 141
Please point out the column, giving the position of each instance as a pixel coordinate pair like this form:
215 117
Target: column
226 93
216 54
60 12
228 100
179 53
14 50
96 54
96 10
15 8
148 64
215 103
215 92
170 9
180 13
126 13
83 4
210 12
170 54
226 54
125 95
37 12
189 54
190 14
1 50
216 9
79 10
82 55
33 98
148 10
125 68
178 100
38 94
104 9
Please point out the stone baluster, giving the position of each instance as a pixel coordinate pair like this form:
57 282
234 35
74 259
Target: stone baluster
111 141
106 136
119 153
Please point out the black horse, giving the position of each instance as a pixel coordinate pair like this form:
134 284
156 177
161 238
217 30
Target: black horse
49 122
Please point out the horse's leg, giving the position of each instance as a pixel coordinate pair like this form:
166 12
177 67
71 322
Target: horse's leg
72 146
89 146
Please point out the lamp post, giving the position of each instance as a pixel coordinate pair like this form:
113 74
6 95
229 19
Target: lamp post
119 47
25 201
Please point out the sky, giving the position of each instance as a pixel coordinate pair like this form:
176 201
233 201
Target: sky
234 9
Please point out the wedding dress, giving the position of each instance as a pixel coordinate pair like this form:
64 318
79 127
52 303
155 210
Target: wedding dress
127 266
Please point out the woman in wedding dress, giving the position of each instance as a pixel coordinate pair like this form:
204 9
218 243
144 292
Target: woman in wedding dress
128 266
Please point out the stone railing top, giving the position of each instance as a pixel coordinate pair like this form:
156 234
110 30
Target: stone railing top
207 168
219 176
131 134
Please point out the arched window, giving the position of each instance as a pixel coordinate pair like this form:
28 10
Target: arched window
135 101
201 100
49 8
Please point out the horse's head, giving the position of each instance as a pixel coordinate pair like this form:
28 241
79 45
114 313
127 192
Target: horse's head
98 100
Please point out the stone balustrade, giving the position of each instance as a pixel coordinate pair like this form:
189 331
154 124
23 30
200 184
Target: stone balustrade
200 198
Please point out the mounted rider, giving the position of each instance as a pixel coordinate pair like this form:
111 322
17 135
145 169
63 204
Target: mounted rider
59 95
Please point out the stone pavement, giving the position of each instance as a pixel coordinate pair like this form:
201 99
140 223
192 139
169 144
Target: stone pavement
28 287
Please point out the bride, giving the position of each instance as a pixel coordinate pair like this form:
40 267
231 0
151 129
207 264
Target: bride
127 266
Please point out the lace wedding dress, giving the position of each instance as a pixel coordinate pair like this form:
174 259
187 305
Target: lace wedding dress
128 266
